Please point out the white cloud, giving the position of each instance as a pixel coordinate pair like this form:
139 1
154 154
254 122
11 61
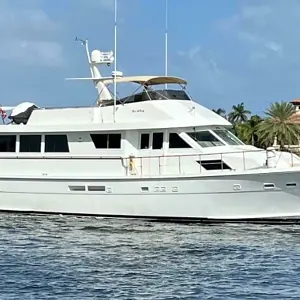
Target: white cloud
28 35
207 74
267 31
190 53
253 14
18 20
107 4
97 5
39 53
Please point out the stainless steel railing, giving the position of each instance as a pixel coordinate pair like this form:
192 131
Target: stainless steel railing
178 164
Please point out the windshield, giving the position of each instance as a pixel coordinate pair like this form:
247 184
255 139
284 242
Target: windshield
205 139
228 137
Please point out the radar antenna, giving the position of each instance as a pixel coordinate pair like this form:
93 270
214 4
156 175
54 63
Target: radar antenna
97 58
86 44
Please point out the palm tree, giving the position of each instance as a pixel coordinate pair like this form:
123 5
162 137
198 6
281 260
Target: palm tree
247 131
280 124
239 114
220 111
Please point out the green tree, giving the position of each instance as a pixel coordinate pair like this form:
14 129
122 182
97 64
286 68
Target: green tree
279 123
239 114
220 111
248 131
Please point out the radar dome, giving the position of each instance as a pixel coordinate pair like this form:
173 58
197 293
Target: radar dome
96 56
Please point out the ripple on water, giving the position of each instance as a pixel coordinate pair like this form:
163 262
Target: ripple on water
58 257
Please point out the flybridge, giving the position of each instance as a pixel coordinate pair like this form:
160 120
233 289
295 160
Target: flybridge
108 98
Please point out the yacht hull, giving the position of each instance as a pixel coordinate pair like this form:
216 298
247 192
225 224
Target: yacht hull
236 197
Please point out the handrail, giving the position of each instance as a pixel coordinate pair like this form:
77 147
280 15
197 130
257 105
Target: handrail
153 165
11 155
197 154
163 164
8 155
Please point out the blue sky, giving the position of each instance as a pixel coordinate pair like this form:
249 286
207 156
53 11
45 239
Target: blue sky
229 51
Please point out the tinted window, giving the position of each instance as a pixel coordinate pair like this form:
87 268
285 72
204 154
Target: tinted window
228 137
175 141
56 143
114 141
7 143
105 141
215 164
205 139
145 138
158 139
30 143
100 140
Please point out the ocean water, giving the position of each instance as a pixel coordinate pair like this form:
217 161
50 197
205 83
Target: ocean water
62 257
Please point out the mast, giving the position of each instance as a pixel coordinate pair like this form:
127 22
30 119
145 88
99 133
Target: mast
97 58
85 43
115 63
166 40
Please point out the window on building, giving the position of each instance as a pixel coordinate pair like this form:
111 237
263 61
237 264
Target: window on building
145 141
175 141
205 138
106 141
56 143
8 143
158 140
30 143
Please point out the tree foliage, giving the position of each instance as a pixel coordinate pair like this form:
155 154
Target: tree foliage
279 123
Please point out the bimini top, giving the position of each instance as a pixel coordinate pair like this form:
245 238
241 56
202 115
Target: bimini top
146 80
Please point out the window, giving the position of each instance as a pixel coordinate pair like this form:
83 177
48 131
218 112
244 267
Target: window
158 139
107 141
175 141
214 164
228 137
56 143
145 189
114 141
94 188
30 143
145 140
269 185
205 138
100 140
8 143
77 188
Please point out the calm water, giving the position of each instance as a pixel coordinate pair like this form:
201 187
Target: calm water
45 257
